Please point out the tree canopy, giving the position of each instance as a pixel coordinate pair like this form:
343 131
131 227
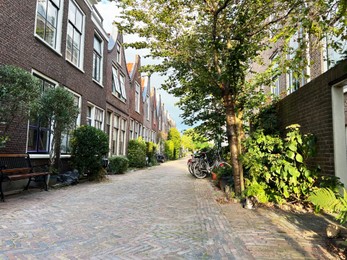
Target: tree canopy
208 48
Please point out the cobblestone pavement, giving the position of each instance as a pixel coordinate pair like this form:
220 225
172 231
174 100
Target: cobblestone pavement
157 213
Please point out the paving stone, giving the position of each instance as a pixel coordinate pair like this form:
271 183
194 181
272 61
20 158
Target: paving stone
157 213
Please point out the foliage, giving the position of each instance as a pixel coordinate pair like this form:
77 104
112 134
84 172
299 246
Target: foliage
279 165
169 148
118 164
151 152
58 107
325 198
223 170
208 48
266 119
175 136
137 153
257 190
199 141
88 147
19 91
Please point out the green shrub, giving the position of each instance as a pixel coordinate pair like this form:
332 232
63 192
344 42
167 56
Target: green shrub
150 153
88 147
279 165
137 153
118 164
169 150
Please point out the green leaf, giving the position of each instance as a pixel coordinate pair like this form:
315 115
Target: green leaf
298 158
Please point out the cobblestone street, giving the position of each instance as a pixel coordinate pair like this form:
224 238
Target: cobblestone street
157 213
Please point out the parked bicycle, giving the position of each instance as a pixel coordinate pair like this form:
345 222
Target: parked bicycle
203 166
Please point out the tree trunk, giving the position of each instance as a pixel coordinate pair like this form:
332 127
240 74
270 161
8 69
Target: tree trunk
234 130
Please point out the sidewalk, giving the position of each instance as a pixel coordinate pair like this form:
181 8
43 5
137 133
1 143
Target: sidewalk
157 213
273 233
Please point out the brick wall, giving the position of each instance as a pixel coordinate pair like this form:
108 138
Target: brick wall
311 107
19 46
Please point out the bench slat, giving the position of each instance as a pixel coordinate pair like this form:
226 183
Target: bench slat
25 176
16 170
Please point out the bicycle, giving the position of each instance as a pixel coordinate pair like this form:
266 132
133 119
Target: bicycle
202 167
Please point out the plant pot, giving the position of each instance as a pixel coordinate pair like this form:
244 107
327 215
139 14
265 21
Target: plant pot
214 176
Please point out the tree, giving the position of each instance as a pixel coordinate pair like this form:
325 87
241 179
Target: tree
19 91
175 136
58 107
208 48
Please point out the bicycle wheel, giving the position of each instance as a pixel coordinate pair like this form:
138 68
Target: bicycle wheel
199 171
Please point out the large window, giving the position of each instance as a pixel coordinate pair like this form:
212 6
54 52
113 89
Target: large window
122 137
115 133
74 35
333 54
40 130
122 86
131 129
47 21
66 137
95 116
118 53
137 97
97 59
118 84
296 78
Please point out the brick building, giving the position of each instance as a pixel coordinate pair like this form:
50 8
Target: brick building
63 43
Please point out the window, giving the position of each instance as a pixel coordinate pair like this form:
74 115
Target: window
99 118
115 82
97 59
48 16
66 137
296 78
122 137
131 130
115 132
136 130
147 108
108 123
275 87
118 53
95 116
122 86
118 84
137 97
74 38
334 55
40 130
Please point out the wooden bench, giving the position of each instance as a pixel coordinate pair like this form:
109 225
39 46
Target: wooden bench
17 167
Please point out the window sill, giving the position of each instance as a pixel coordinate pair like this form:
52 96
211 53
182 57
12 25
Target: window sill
81 70
47 45
98 83
121 99
46 156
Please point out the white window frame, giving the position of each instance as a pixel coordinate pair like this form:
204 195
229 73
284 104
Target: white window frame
97 55
119 51
57 46
131 129
80 60
92 119
122 85
137 97
50 134
148 108
65 136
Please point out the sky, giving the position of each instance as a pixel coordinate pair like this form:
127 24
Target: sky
109 10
